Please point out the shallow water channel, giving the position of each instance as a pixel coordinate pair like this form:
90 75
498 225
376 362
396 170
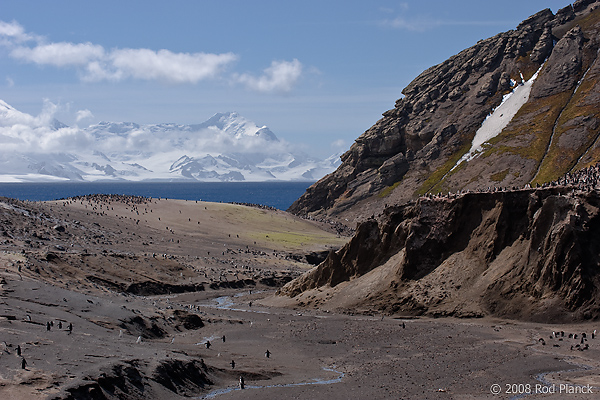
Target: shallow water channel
227 303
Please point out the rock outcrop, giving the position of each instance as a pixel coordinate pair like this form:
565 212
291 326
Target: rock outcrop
136 379
526 254
416 147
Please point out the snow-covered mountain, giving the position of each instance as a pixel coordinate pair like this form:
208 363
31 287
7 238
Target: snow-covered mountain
226 147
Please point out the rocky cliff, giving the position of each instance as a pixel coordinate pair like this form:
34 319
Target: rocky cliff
425 144
527 254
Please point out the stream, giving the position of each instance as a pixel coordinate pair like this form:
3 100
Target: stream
227 303
315 381
547 386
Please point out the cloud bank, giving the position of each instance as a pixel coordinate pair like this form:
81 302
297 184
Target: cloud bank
22 133
43 134
225 147
281 76
94 63
59 54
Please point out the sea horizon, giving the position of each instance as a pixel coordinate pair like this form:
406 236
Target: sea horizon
277 194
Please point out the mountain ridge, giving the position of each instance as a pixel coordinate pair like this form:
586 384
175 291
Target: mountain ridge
226 147
479 193
415 147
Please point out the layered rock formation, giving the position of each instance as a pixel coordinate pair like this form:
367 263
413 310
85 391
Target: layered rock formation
525 254
417 146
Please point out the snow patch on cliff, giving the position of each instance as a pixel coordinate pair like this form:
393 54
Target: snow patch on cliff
500 117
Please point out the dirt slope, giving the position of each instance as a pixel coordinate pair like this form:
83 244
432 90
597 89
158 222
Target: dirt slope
527 254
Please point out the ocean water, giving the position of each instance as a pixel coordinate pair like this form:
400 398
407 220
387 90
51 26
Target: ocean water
280 195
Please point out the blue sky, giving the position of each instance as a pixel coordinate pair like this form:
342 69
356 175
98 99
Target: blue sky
318 73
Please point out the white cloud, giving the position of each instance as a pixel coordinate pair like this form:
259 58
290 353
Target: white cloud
95 63
119 64
59 54
63 139
23 133
83 115
10 116
168 66
281 76
99 71
46 117
10 82
14 32
11 29
338 144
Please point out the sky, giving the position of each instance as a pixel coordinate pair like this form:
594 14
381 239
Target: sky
317 73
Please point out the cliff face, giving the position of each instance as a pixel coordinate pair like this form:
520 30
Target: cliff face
526 254
417 146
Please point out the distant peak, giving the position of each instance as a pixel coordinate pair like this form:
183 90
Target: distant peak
5 105
237 125
224 115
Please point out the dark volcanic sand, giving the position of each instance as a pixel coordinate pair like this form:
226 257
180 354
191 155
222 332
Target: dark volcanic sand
314 354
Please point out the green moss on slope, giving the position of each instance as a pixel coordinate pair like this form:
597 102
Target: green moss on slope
434 183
